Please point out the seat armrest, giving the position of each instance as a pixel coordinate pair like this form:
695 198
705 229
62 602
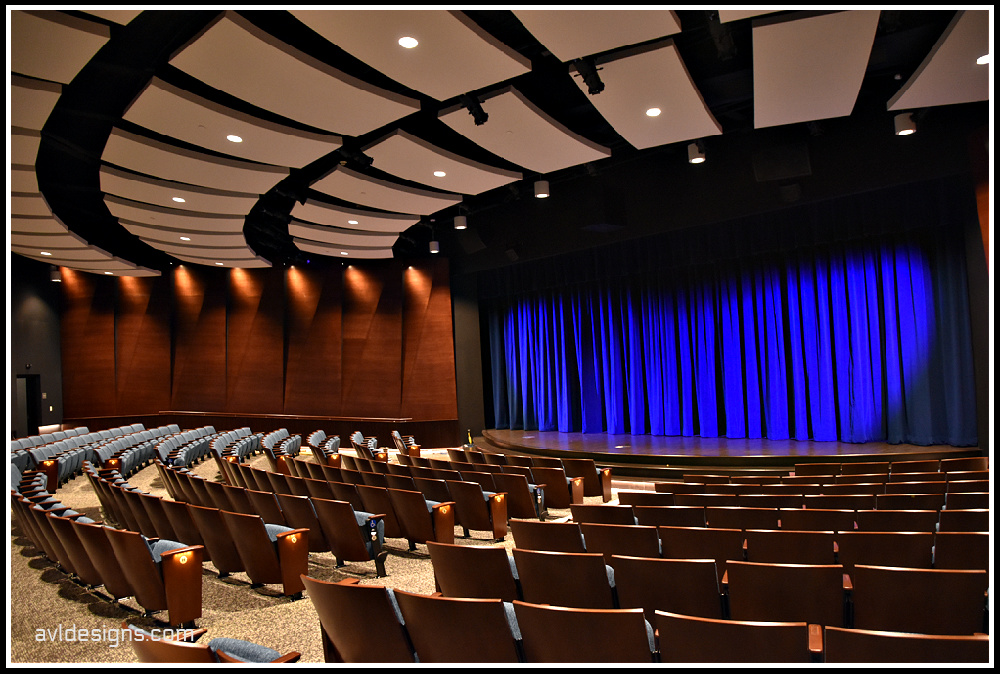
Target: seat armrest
816 642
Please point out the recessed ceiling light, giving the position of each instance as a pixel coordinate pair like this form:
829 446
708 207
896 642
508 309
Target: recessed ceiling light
45 252
343 252
185 238
352 222
983 60
109 273
180 200
440 174
408 42
653 112
219 264
233 138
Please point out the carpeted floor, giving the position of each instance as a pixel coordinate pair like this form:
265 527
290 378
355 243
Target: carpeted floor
48 610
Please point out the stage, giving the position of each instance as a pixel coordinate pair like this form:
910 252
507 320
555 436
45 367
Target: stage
652 456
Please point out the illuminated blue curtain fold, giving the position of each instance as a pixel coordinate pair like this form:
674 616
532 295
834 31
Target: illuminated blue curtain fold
859 337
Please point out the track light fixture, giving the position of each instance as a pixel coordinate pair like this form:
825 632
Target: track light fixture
435 247
588 72
461 222
475 109
541 189
904 124
55 274
696 152
356 156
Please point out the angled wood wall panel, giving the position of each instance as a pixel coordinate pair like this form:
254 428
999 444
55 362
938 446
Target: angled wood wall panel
312 351
88 344
255 341
372 346
199 350
142 345
428 343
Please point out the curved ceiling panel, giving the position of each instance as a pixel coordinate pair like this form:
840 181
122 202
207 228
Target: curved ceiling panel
524 135
305 230
570 34
23 179
172 218
52 45
166 194
119 16
342 251
358 188
453 55
352 218
174 112
33 224
406 156
651 77
29 204
158 159
162 238
810 68
24 146
235 56
235 257
727 15
32 101
950 73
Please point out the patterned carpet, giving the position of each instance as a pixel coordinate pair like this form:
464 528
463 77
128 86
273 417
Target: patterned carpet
49 611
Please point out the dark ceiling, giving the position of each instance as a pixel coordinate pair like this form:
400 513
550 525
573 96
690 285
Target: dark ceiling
632 193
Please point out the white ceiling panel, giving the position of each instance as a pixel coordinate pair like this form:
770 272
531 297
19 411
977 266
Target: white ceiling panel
358 188
454 55
158 159
950 73
174 112
23 178
810 68
163 193
172 218
406 156
36 225
570 34
521 133
343 252
651 77
24 146
62 240
172 236
119 16
32 101
238 58
352 218
81 253
105 264
305 230
727 15
248 261
210 249
29 204
52 45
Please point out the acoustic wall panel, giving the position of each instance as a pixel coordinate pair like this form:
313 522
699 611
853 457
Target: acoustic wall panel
313 300
142 346
199 352
87 325
428 390
255 342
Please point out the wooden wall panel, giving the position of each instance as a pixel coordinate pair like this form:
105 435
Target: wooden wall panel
428 390
142 345
372 341
88 344
312 354
199 350
255 341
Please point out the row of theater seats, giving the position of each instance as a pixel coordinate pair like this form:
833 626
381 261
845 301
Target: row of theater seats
232 541
539 607
849 547
907 466
974 481
240 443
323 445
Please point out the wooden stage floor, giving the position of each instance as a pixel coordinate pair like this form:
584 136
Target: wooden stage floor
653 451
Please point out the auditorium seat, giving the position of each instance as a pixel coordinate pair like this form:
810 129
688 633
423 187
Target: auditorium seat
265 504
962 550
965 463
670 516
884 548
218 541
922 601
161 523
787 546
707 500
692 639
348 491
915 466
909 501
722 545
83 567
376 500
459 630
876 646
964 520
602 514
596 482
272 554
868 467
473 571
816 519
479 510
551 536
525 499
423 521
815 469
741 518
559 634
359 623
620 539
483 479
645 498
897 520
812 593
580 580
299 514
352 536
98 546
687 586
967 500
939 487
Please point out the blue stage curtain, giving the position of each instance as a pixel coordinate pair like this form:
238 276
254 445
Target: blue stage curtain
858 336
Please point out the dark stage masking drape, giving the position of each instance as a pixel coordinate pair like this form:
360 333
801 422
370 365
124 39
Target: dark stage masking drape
841 320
